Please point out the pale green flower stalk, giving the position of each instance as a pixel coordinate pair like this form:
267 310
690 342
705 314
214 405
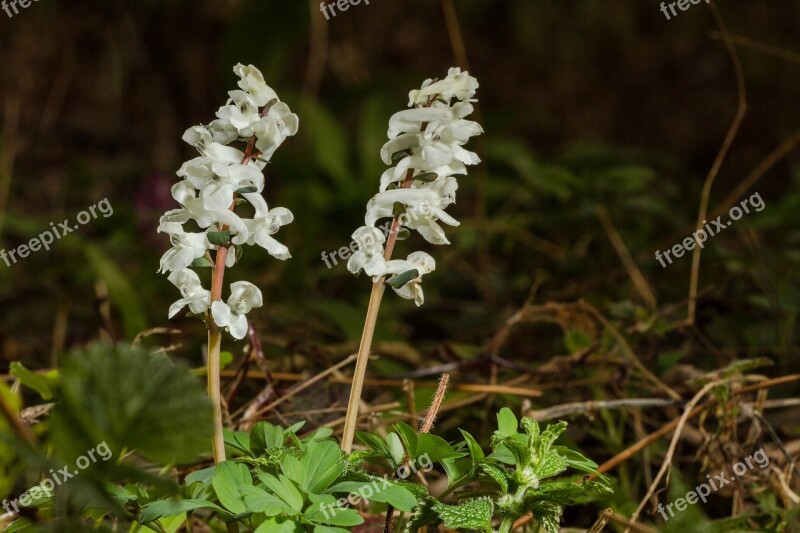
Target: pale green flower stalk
212 186
426 148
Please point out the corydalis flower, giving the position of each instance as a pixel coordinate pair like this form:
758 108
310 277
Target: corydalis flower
426 147
231 315
213 183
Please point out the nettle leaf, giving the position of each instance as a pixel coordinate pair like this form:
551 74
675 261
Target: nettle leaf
219 238
578 461
496 473
163 508
550 465
506 422
400 280
565 492
228 477
470 514
549 436
547 515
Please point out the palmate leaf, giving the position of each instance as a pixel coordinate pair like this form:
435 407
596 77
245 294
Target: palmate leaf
127 398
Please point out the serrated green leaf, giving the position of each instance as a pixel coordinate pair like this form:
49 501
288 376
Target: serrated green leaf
470 514
547 514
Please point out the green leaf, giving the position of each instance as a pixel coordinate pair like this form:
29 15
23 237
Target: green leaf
203 476
324 509
246 190
376 443
228 477
475 450
397 156
408 436
470 514
257 500
219 238
162 508
403 234
550 465
284 489
31 380
547 514
20 525
496 474
426 177
399 280
265 436
201 262
379 490
436 448
506 422
395 448
239 440
127 398
274 525
321 465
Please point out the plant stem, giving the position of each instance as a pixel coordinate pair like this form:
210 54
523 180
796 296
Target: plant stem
508 521
375 297
215 336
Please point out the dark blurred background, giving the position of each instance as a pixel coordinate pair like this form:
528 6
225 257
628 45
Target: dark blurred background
584 104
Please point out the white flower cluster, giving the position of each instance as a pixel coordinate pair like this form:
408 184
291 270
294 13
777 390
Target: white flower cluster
426 146
211 185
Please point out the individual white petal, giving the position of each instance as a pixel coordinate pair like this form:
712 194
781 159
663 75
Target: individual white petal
217 196
221 313
197 135
238 327
275 249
